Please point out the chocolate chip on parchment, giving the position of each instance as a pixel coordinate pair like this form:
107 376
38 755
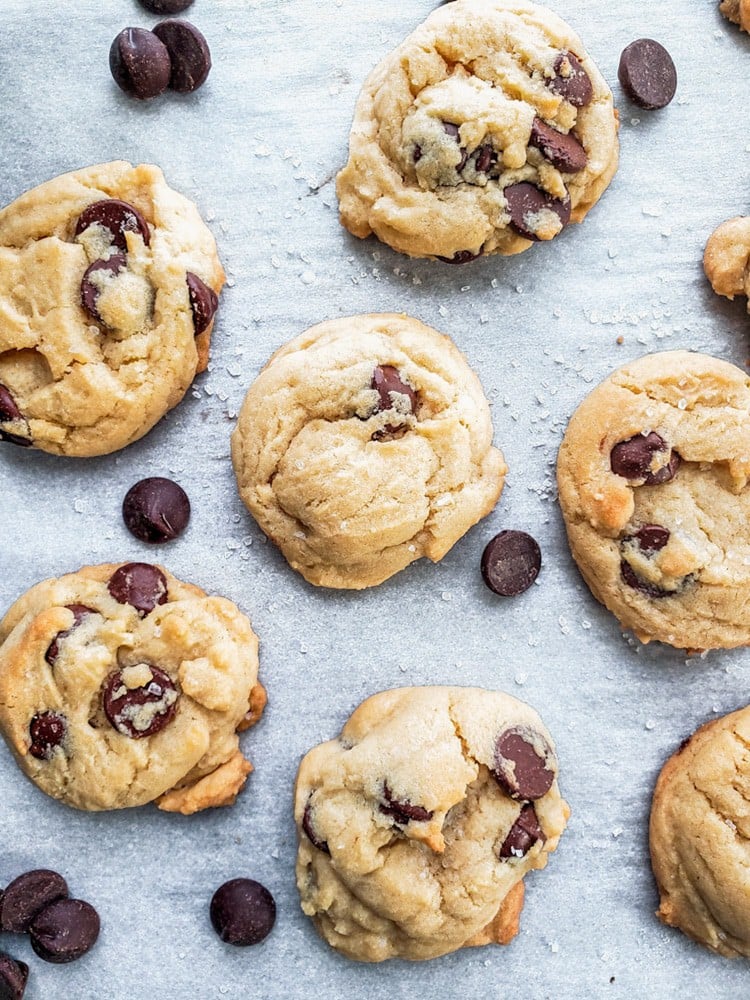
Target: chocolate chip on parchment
633 459
64 931
307 826
27 895
402 810
510 563
528 205
647 74
203 302
156 510
166 6
13 977
80 611
188 52
521 763
142 710
571 80
47 731
562 149
139 584
139 63
524 833
242 912
90 290
116 216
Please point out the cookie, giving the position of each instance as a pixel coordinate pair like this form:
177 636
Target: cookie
108 288
418 824
487 129
364 444
726 259
699 833
737 11
652 477
121 685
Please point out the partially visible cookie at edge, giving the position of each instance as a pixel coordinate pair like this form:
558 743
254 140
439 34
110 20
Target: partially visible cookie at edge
726 259
699 836
653 476
364 444
488 128
737 11
419 822
121 685
108 289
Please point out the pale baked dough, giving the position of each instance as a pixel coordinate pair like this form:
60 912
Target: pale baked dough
726 259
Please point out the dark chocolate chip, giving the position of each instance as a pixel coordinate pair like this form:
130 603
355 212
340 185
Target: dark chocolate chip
139 63
417 154
402 810
387 379
632 459
462 257
64 931
521 763
524 833
140 711
47 731
13 977
632 579
28 895
562 150
89 290
9 412
189 52
652 537
166 6
510 563
242 911
453 131
307 826
203 301
525 201
571 80
485 158
647 74
156 510
118 217
139 584
79 613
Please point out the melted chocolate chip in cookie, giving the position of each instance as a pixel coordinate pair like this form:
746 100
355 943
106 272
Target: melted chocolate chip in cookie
562 149
453 131
571 80
118 217
524 833
47 731
64 931
80 611
26 896
387 381
462 257
485 158
531 209
402 810
650 538
524 764
137 705
635 459
9 412
308 827
13 977
90 288
139 584
203 302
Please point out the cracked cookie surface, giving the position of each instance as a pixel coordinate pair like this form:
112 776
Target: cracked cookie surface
653 485
364 444
488 128
419 822
700 836
108 285
120 685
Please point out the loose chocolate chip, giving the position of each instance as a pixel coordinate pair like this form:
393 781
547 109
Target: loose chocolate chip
13 977
118 217
64 931
242 911
140 711
139 584
189 52
632 459
462 257
79 613
486 158
652 537
524 833
90 291
156 510
9 412
28 895
526 201
307 826
632 579
562 150
139 63
647 74
203 301
571 81
47 731
510 563
166 6
402 810
520 765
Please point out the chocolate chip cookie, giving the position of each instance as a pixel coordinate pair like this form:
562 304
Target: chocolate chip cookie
699 835
418 824
120 685
726 259
653 474
737 11
108 289
488 129
364 444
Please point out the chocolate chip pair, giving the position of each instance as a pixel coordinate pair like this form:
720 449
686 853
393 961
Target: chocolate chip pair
175 54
